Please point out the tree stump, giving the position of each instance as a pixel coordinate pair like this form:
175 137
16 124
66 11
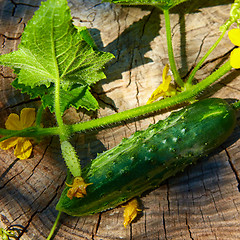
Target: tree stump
203 202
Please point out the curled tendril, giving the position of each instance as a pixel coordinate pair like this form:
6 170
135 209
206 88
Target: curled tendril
234 16
12 232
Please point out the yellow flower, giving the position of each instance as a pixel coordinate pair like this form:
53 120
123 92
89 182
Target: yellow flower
234 36
165 89
78 188
130 212
23 147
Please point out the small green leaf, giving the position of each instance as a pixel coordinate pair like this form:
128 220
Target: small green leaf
163 4
53 50
86 36
77 95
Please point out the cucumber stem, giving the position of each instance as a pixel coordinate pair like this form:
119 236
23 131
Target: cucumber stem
236 105
54 226
176 75
168 102
63 132
29 132
190 78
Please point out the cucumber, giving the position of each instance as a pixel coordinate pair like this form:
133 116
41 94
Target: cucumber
149 157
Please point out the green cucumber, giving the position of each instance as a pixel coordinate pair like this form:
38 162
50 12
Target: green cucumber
148 157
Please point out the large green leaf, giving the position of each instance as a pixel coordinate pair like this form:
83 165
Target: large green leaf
163 4
52 49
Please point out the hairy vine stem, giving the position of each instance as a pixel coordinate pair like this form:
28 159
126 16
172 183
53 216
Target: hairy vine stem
128 114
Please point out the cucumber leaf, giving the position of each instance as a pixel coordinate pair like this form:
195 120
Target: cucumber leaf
52 49
163 4
77 95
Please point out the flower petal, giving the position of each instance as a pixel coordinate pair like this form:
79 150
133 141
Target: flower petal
165 72
78 188
27 117
8 143
13 122
162 89
234 36
130 212
156 94
166 83
235 58
23 149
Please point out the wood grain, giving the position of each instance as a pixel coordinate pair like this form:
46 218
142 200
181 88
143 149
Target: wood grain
202 202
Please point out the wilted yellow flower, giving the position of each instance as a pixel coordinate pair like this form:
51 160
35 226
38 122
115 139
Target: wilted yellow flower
78 188
165 89
130 212
234 36
23 147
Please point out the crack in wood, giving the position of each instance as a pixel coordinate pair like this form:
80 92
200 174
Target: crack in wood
233 169
236 205
231 87
202 215
168 195
189 229
116 18
97 226
211 227
45 150
40 211
145 223
108 91
173 29
145 23
20 104
137 93
24 4
215 205
10 179
27 225
19 216
209 62
95 5
200 48
130 69
9 168
10 38
216 59
164 226
108 104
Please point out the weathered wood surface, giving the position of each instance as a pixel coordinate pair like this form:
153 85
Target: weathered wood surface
201 203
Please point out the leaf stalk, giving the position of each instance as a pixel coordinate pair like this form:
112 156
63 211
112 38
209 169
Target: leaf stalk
175 72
